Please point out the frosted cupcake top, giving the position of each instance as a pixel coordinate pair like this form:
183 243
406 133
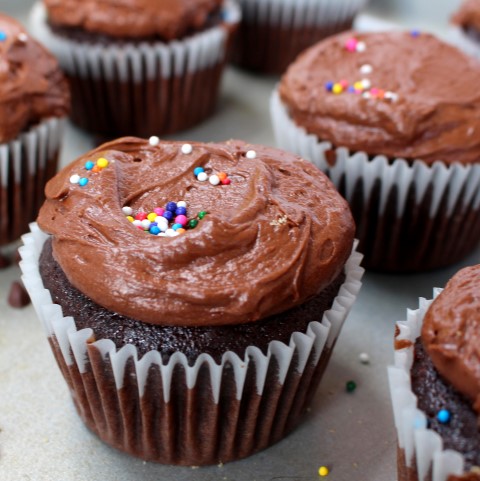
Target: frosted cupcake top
400 94
196 234
451 333
32 87
468 15
164 19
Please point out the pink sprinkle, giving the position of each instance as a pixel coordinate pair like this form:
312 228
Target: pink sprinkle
374 91
159 211
343 83
181 219
226 181
351 44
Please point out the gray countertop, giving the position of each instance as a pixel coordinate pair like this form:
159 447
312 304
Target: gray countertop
42 438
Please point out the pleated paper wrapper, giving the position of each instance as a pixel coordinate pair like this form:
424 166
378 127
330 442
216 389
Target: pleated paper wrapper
274 32
26 164
410 216
420 450
176 413
145 88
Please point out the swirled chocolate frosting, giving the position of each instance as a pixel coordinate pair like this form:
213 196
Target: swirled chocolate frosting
272 238
400 94
32 87
451 333
166 19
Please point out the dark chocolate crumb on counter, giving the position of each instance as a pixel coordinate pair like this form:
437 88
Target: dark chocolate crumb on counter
18 297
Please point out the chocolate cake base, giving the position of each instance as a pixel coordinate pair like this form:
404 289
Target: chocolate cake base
416 241
461 433
187 425
192 341
270 49
22 191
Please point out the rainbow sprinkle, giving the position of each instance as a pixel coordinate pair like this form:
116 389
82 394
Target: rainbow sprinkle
90 166
360 87
214 179
169 221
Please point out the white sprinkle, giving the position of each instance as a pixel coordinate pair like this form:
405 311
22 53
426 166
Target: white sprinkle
162 234
74 179
127 210
146 224
153 140
470 131
137 223
23 37
171 233
366 69
364 358
251 154
181 203
391 96
187 149
162 223
367 95
361 47
366 83
202 176
214 180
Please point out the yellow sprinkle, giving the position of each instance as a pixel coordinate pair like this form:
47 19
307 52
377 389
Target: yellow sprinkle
130 218
358 85
152 216
323 471
102 162
337 89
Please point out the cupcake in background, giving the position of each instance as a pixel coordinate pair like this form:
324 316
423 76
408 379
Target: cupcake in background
396 128
465 28
435 384
223 275
273 32
34 101
138 67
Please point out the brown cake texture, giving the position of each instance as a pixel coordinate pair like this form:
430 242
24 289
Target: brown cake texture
139 67
234 298
444 373
386 121
33 91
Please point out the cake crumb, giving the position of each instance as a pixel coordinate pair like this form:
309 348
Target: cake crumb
18 296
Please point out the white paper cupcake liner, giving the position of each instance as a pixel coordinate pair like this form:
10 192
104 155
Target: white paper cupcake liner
456 36
26 164
263 394
442 190
141 88
274 32
421 448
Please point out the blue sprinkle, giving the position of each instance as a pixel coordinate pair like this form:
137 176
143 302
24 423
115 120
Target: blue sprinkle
3 36
83 181
154 230
168 215
443 416
89 165
415 33
177 226
329 86
171 206
351 89
181 211
197 170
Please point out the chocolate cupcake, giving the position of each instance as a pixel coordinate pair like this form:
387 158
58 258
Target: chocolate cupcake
273 32
394 127
464 31
435 385
34 100
192 293
142 67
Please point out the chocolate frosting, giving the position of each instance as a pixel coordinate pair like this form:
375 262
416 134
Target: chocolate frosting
468 15
451 333
435 110
32 87
273 238
167 19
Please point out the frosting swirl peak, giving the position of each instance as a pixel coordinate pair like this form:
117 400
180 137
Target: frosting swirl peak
273 238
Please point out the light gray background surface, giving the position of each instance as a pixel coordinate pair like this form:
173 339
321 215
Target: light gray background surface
42 438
